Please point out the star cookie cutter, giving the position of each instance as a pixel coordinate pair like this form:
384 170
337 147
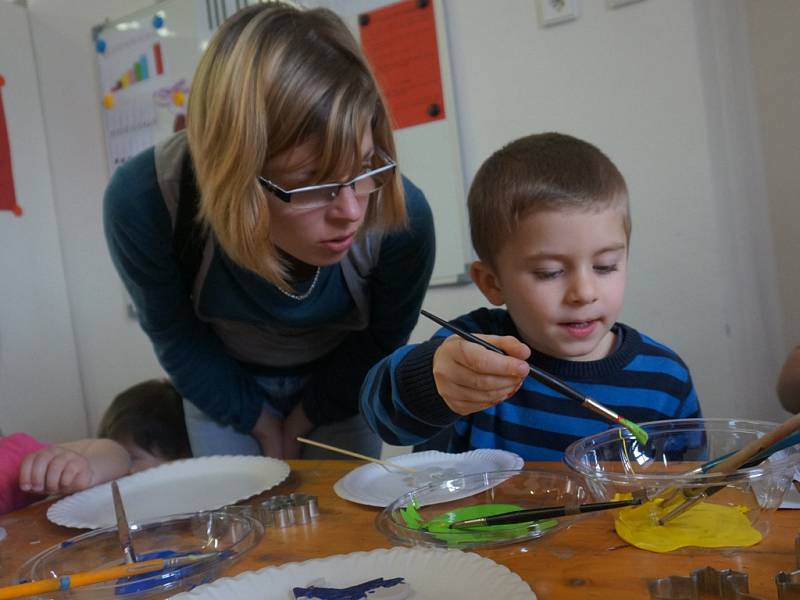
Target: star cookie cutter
725 584
703 583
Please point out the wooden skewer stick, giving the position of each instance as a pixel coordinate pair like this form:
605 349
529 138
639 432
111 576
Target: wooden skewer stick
385 463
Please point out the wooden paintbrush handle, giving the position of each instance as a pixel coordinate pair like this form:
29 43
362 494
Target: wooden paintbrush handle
737 459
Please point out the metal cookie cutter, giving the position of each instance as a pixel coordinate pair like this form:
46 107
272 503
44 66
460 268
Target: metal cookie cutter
703 583
726 585
283 511
788 584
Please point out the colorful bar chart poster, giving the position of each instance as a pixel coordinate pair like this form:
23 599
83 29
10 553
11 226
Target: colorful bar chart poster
133 66
8 197
400 43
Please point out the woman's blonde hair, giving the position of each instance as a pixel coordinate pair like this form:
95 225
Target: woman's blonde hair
272 78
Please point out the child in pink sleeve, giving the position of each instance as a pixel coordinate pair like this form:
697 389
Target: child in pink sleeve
13 450
30 469
142 428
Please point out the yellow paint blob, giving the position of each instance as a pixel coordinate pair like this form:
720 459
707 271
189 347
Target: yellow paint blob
704 525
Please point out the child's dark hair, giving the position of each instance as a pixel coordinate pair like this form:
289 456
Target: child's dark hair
149 415
545 171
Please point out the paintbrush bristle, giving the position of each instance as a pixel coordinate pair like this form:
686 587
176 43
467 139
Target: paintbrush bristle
639 433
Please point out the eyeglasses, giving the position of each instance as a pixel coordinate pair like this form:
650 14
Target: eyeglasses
318 196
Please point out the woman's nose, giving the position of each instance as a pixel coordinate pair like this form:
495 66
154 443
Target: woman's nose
346 205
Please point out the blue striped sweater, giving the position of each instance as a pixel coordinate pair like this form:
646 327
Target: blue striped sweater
642 380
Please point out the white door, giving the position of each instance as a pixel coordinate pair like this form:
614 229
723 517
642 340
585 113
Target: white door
40 387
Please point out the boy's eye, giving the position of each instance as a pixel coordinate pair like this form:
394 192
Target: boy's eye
547 275
603 269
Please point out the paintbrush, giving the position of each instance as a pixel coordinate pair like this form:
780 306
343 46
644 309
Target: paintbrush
537 514
783 436
65 582
384 463
554 383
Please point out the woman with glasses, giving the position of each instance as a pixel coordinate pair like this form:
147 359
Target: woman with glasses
272 251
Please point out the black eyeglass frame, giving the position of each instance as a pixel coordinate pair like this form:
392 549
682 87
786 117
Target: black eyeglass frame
286 195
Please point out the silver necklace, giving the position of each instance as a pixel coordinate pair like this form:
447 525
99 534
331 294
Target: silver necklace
307 292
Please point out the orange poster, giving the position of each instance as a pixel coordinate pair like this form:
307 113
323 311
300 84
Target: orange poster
8 198
400 43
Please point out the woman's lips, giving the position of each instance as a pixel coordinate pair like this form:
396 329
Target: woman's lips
339 244
580 329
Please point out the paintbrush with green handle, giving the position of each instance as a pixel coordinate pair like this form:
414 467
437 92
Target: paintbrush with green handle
554 383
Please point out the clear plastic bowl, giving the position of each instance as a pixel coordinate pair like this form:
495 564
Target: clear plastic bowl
613 462
520 488
229 534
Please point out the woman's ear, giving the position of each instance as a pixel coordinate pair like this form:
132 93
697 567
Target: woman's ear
484 277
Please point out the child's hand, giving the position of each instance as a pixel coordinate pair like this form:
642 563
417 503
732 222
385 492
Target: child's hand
472 378
55 470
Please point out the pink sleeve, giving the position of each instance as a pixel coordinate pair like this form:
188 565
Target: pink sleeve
13 449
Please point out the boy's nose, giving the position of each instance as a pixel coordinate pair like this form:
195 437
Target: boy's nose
582 289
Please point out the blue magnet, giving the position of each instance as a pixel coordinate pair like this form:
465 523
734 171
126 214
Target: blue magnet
158 21
100 46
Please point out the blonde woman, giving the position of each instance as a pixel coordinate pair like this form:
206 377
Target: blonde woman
273 251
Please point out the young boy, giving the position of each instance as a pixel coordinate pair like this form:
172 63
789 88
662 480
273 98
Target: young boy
142 428
551 226
147 419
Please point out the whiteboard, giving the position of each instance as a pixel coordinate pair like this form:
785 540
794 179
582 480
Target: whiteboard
145 62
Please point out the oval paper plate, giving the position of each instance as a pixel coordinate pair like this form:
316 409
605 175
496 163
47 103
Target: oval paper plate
181 486
431 573
374 485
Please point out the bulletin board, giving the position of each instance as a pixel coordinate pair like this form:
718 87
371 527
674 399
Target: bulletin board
145 62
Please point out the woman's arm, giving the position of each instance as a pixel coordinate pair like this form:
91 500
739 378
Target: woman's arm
789 382
139 235
398 287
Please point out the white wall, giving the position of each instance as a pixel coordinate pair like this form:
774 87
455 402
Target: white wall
112 351
40 387
776 51
663 86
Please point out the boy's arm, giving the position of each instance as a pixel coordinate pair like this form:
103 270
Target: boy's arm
789 382
73 466
399 399
410 396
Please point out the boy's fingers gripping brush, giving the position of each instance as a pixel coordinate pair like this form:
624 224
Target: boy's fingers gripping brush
554 383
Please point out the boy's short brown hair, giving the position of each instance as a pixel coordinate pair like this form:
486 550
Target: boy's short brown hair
546 171
149 415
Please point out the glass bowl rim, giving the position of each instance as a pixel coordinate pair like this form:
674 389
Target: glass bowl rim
386 514
738 475
256 533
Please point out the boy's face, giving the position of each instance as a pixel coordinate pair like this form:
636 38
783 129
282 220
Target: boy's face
562 276
141 459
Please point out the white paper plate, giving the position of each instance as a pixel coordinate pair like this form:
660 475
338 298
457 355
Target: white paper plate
373 485
182 486
431 573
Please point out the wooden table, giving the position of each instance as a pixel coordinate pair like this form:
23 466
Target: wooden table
586 561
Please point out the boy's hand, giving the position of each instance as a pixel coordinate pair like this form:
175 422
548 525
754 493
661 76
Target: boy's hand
472 378
55 470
